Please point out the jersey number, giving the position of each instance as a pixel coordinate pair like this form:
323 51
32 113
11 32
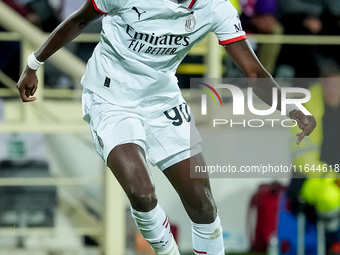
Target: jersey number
177 114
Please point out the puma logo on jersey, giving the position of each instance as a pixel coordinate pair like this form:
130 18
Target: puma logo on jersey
139 13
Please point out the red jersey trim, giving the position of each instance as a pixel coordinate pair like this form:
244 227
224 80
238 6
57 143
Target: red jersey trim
96 7
236 39
191 4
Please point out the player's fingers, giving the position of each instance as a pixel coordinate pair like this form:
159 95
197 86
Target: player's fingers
300 137
34 89
22 93
30 99
27 92
300 124
304 120
296 117
301 117
25 97
310 127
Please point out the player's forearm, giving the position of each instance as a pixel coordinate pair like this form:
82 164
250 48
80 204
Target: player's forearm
62 35
258 78
263 88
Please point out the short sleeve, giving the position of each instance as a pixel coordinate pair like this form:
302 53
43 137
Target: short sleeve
226 23
104 6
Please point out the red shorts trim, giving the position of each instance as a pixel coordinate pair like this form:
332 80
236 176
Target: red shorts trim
199 252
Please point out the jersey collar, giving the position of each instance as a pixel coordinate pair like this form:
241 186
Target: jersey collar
188 3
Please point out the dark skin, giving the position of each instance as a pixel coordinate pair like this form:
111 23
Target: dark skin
247 62
127 161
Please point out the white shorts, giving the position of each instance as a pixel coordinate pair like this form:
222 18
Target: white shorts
166 131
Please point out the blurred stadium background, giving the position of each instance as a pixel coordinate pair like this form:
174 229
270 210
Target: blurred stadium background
57 197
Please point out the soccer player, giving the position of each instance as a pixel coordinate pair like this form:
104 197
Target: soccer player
131 95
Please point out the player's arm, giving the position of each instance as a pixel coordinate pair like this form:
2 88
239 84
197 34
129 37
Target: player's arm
246 60
63 34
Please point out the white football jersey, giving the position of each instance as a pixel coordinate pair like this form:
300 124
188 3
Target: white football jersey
143 42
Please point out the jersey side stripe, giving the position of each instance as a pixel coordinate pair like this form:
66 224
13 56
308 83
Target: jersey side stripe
233 40
96 7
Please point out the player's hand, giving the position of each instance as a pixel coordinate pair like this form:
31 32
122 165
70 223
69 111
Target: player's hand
27 85
306 123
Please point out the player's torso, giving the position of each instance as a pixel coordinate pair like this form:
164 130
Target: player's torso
156 32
